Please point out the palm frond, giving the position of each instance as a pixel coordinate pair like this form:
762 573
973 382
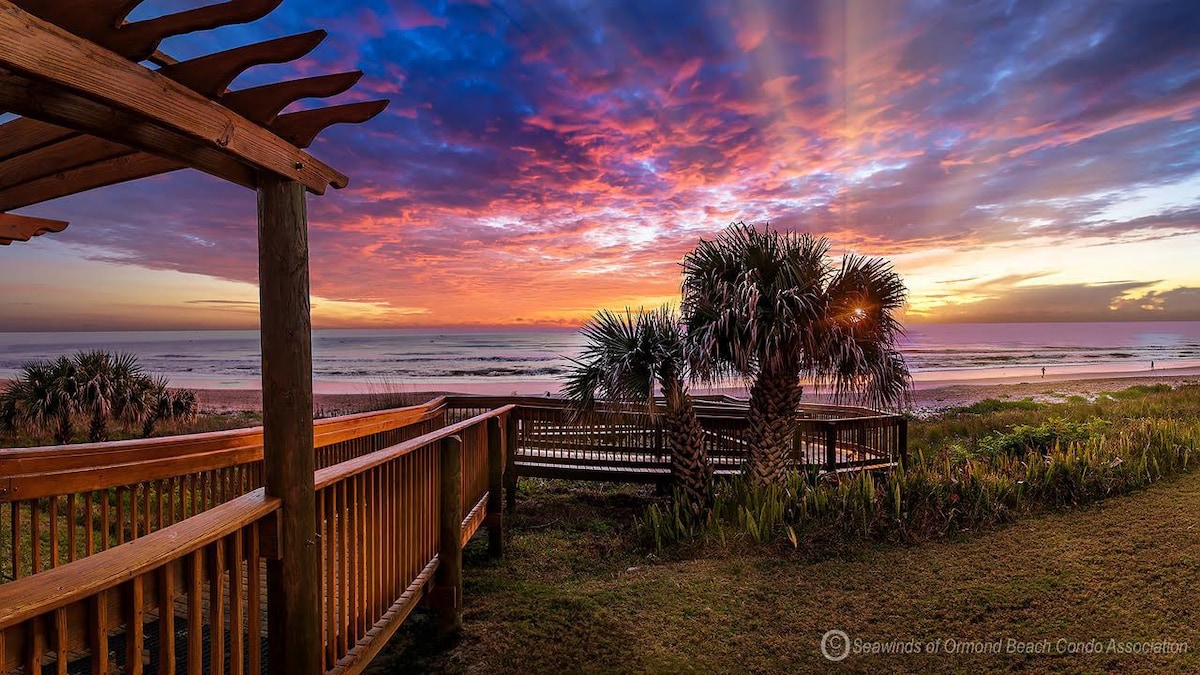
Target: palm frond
628 357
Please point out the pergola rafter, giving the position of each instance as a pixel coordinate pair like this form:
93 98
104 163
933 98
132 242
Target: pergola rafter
78 134
91 114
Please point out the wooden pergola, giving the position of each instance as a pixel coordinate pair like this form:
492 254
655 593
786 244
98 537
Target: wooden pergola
92 113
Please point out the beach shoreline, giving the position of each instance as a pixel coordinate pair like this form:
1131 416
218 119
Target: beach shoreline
927 397
932 391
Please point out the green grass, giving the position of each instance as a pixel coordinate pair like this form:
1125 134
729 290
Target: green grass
581 592
991 405
570 599
204 422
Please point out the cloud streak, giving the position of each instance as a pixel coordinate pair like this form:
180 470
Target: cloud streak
540 160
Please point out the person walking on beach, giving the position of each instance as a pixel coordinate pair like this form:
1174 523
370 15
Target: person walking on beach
1043 371
1151 365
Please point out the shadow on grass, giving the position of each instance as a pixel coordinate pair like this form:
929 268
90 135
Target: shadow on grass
563 538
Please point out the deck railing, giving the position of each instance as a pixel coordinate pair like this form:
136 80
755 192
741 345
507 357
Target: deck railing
61 503
189 597
168 602
399 493
381 519
553 441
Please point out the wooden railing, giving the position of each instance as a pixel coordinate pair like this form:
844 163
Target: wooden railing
553 441
189 597
184 593
387 529
58 504
154 603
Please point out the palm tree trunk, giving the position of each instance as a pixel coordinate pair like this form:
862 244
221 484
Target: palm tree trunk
98 432
65 430
690 469
774 398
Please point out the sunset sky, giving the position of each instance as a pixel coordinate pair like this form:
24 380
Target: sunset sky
1017 161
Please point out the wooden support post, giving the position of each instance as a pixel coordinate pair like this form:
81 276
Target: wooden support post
495 512
510 460
831 446
293 580
448 578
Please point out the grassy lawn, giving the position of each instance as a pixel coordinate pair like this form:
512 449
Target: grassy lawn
575 595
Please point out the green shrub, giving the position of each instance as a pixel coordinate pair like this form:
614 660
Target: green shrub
1042 438
1061 461
991 405
1138 391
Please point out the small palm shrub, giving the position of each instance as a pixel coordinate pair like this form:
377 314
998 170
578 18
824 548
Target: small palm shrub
90 390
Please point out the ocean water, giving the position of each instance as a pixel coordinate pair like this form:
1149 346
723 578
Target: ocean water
356 360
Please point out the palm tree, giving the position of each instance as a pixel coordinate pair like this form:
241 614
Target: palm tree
43 396
103 380
627 357
161 404
770 307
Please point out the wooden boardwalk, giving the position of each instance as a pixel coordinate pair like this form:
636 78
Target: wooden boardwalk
398 494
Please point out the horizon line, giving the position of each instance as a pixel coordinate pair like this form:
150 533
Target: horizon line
540 327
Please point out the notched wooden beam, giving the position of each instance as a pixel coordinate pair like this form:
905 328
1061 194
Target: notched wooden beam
263 104
47 160
103 21
84 178
301 128
69 63
23 228
50 158
24 134
139 40
56 106
91 19
211 74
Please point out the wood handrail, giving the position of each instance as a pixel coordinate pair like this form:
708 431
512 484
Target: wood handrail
706 405
32 473
338 472
328 430
42 593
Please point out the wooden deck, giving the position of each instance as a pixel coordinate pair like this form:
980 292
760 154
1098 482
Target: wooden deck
124 530
619 446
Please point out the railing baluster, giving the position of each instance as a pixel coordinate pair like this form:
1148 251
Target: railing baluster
237 605
166 619
35 541
253 603
61 641
146 507
53 507
134 626
216 609
72 527
14 515
330 585
98 632
36 649
344 571
195 614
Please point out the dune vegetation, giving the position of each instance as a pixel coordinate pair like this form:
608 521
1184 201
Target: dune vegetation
91 395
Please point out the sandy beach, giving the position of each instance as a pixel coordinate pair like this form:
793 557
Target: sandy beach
928 396
932 391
